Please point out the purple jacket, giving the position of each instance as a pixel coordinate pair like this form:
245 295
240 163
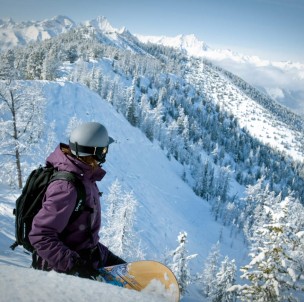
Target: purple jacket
55 239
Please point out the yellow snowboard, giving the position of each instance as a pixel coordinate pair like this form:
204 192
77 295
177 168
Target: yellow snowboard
146 276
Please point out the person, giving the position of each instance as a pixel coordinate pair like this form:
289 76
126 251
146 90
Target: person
66 246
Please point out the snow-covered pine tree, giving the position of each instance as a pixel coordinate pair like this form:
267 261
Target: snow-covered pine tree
210 269
35 61
125 218
113 199
131 113
8 70
224 279
275 271
223 183
118 232
180 261
50 66
146 117
255 197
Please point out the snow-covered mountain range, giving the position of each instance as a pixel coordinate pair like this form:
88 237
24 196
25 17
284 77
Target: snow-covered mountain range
18 34
283 81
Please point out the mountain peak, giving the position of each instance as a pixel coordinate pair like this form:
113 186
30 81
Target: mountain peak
101 23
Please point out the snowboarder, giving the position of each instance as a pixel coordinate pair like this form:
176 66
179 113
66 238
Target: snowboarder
63 245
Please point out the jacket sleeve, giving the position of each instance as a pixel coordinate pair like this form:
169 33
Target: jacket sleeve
51 220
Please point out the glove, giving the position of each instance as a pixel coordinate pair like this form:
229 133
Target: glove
113 260
84 269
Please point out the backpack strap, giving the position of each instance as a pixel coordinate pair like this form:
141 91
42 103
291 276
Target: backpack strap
81 197
81 193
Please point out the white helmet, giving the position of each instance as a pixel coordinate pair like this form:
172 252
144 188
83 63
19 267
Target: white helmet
90 139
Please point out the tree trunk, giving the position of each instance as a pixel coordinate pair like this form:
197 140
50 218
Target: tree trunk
19 173
17 153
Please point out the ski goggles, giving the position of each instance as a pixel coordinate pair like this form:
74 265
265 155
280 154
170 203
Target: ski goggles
99 153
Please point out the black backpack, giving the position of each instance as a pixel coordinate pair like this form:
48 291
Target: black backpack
29 202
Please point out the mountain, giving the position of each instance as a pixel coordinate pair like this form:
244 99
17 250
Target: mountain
282 81
105 33
263 117
14 34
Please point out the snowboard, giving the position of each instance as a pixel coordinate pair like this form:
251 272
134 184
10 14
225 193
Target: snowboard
146 276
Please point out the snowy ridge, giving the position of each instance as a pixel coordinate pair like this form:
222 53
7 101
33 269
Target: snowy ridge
283 81
266 120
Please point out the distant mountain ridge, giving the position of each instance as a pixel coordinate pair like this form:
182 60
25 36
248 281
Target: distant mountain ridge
14 34
283 81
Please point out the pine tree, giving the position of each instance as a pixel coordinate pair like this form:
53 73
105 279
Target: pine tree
224 279
49 66
180 261
118 233
223 183
35 63
275 271
132 104
112 200
8 68
210 269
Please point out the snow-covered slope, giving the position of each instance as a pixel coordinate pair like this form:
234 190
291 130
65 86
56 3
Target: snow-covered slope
283 81
167 205
263 118
27 285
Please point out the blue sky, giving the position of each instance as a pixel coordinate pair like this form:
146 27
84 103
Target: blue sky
271 29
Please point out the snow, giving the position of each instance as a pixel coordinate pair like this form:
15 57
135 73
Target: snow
167 205
156 287
27 285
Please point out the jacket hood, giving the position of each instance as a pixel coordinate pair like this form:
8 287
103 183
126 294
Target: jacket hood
69 163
